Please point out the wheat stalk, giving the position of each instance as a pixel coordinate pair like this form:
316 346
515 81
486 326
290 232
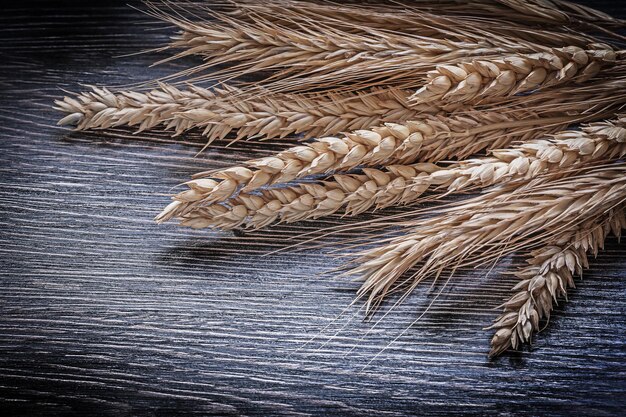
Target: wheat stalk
511 75
221 111
486 228
404 184
548 277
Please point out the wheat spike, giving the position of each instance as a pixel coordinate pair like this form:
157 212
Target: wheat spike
313 45
404 184
221 111
548 277
421 19
488 227
559 12
555 12
566 149
313 56
511 75
430 139
447 20
355 192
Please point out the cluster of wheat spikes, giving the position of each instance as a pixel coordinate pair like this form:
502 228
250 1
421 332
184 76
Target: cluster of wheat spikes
516 101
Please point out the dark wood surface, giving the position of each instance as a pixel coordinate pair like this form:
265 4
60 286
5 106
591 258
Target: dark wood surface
102 312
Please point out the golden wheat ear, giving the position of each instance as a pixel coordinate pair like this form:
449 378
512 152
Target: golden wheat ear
430 19
388 144
429 139
219 111
322 54
547 279
482 78
406 184
490 226
354 192
308 46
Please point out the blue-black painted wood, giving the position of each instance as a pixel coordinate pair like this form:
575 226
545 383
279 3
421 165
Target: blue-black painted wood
102 312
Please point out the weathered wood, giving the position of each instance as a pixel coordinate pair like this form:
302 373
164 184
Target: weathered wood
102 312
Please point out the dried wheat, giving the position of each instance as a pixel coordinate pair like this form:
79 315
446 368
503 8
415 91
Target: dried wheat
310 57
404 184
488 227
409 18
511 75
548 277
431 139
526 11
219 111
355 192
596 141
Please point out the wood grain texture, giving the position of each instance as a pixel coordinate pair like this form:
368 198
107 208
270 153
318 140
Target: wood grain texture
102 312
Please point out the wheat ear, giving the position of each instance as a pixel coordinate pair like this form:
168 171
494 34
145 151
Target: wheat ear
431 139
483 78
404 184
566 149
548 277
555 12
355 192
222 110
409 19
488 227
310 57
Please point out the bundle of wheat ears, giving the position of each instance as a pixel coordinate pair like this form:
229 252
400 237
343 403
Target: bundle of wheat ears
515 101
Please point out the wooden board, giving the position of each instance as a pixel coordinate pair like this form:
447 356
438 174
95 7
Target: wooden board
103 312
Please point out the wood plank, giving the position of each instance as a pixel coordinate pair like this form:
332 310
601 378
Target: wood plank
102 312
